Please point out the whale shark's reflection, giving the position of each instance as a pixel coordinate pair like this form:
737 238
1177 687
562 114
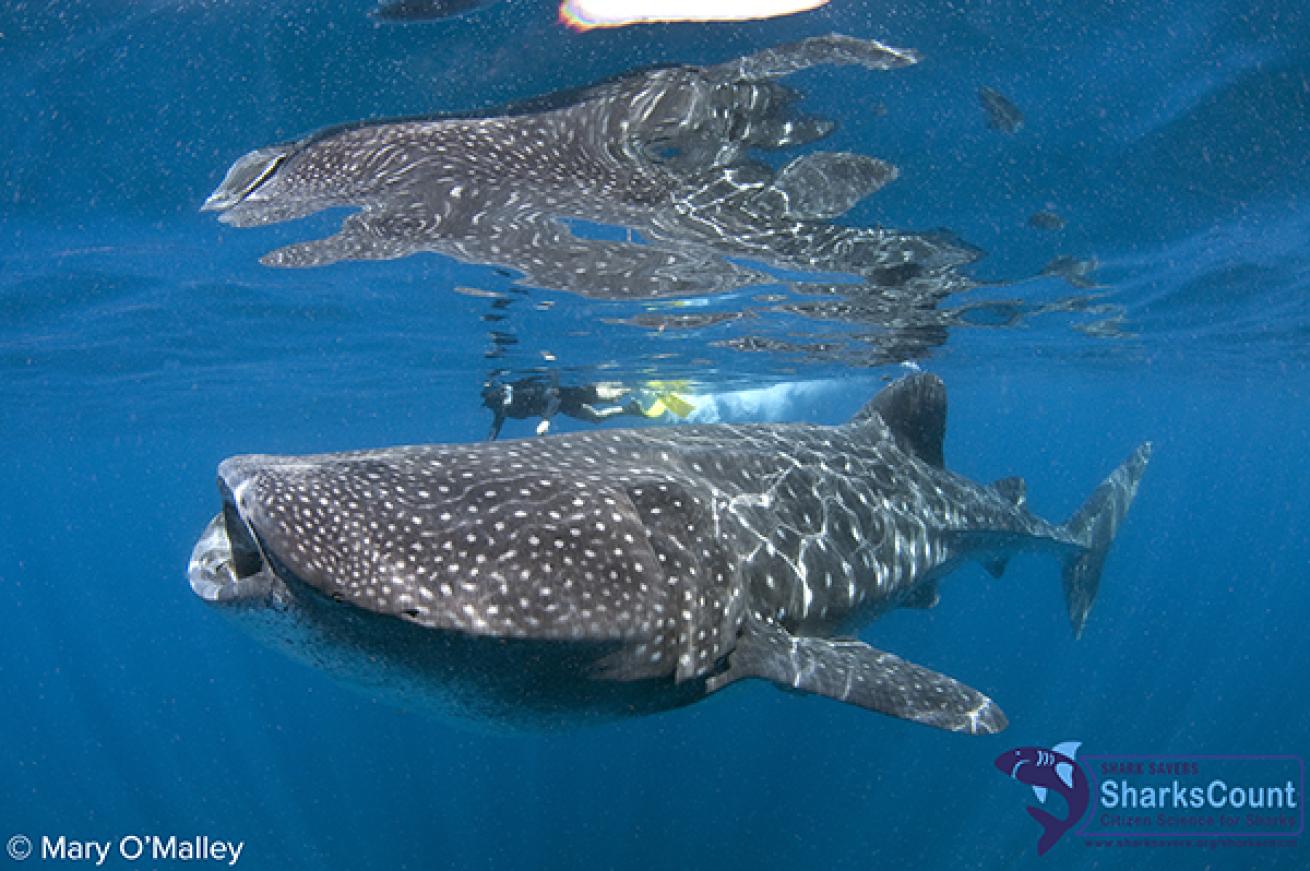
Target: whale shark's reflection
665 161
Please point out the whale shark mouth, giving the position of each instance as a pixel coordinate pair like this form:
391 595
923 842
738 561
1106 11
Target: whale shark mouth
245 177
227 564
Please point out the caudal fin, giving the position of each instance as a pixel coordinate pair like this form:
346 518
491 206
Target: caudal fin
1094 526
1052 829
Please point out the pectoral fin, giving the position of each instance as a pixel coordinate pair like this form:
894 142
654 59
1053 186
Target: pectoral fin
855 673
355 241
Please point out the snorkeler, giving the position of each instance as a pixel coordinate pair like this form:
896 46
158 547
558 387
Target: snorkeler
537 396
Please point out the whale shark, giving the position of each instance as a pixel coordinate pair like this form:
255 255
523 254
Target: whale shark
665 154
619 572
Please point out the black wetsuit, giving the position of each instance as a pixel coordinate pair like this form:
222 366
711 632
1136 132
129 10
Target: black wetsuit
538 397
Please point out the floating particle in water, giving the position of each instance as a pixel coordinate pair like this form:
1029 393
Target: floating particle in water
1002 114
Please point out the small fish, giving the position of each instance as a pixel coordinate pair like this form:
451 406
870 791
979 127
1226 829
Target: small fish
1045 770
425 10
1002 114
1046 220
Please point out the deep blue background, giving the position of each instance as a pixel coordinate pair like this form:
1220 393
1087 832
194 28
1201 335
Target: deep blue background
140 343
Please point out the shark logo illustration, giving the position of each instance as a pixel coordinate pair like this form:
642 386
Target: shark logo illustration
1045 770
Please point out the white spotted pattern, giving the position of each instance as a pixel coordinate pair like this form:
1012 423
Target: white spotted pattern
660 545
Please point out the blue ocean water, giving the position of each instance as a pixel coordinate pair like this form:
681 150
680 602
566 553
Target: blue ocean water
141 342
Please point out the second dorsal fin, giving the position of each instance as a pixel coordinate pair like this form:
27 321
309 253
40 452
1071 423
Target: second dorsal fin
1014 490
914 409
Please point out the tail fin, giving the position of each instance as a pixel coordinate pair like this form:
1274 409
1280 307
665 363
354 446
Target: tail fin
1094 526
1052 829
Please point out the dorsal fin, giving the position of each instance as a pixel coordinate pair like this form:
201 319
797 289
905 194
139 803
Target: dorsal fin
914 409
828 184
1014 490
